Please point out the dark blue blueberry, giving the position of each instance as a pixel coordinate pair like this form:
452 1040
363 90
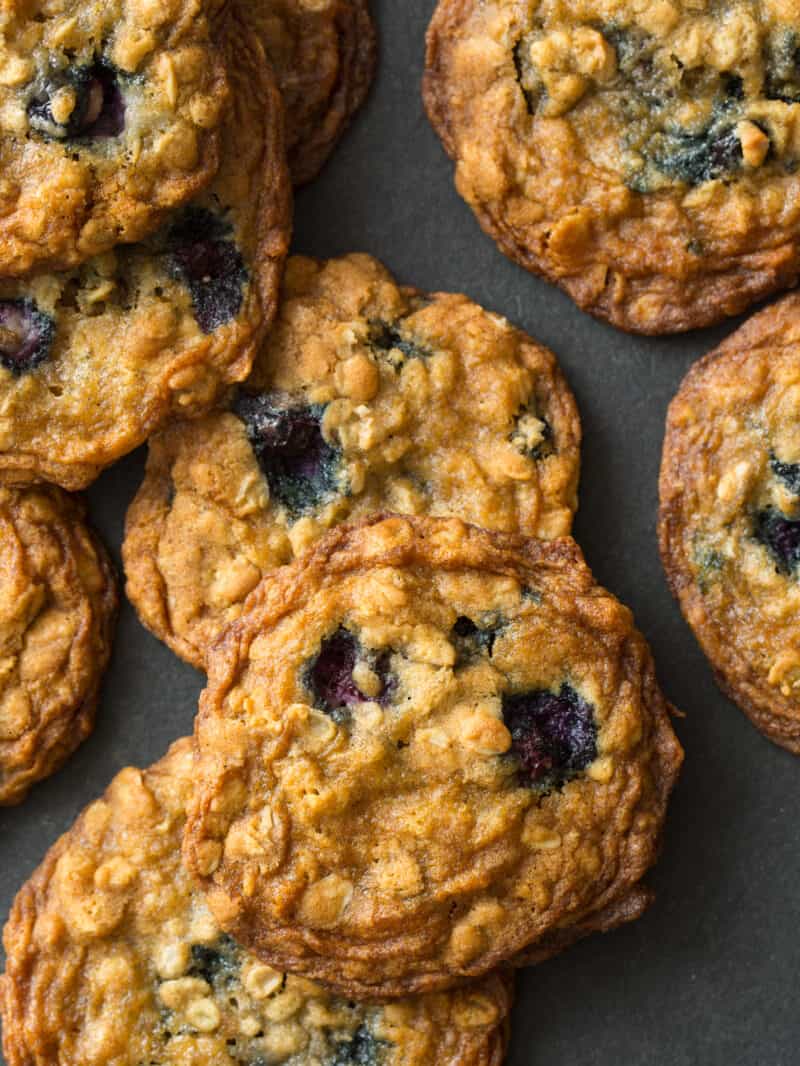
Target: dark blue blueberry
547 445
788 473
26 335
301 468
203 255
330 676
215 964
361 1050
553 735
99 111
781 536
471 640
387 338
697 157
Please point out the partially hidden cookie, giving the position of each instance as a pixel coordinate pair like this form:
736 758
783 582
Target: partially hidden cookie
365 397
112 957
730 515
92 361
324 57
109 118
426 749
58 605
644 157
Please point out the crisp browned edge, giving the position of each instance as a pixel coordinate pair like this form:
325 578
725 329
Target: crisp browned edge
64 737
712 298
758 701
359 55
280 593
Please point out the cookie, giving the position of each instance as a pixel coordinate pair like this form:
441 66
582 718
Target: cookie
644 157
113 957
365 397
324 57
94 360
426 749
58 605
109 118
730 515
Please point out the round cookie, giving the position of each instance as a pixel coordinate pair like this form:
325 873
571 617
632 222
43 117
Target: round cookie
424 750
113 957
644 157
730 515
324 57
365 397
58 605
109 116
92 361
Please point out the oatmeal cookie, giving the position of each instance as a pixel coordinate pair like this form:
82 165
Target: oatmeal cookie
109 117
426 749
58 605
93 360
113 958
643 156
324 58
365 396
730 515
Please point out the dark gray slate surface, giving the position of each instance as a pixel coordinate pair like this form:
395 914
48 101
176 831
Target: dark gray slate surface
710 975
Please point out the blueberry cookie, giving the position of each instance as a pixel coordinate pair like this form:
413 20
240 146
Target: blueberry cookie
109 116
730 515
365 397
324 58
426 749
643 156
93 360
58 605
113 958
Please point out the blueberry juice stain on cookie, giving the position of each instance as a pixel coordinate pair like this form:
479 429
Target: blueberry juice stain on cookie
26 335
203 255
301 468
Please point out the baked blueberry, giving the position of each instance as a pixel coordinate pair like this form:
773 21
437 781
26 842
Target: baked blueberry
300 466
697 157
205 258
26 335
215 963
788 473
330 676
471 640
553 735
362 1050
79 103
388 337
781 535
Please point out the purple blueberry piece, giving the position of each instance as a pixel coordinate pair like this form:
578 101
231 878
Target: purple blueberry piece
330 675
781 536
301 468
471 640
204 257
788 473
553 735
99 111
26 335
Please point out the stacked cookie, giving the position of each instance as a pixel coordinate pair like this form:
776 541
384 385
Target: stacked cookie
431 749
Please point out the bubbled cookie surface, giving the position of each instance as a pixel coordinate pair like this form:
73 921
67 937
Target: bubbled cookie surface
324 58
642 156
730 515
113 958
109 117
58 603
365 397
93 360
425 749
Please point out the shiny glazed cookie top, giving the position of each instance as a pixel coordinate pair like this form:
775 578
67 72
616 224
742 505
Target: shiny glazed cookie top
57 608
111 935
730 514
424 748
649 158
94 359
365 397
108 117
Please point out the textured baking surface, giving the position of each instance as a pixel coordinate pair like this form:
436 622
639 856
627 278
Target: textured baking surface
708 976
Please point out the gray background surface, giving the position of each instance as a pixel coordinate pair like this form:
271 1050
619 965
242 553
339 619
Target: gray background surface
710 975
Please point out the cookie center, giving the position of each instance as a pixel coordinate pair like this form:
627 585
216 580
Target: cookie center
83 102
204 258
26 335
553 735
